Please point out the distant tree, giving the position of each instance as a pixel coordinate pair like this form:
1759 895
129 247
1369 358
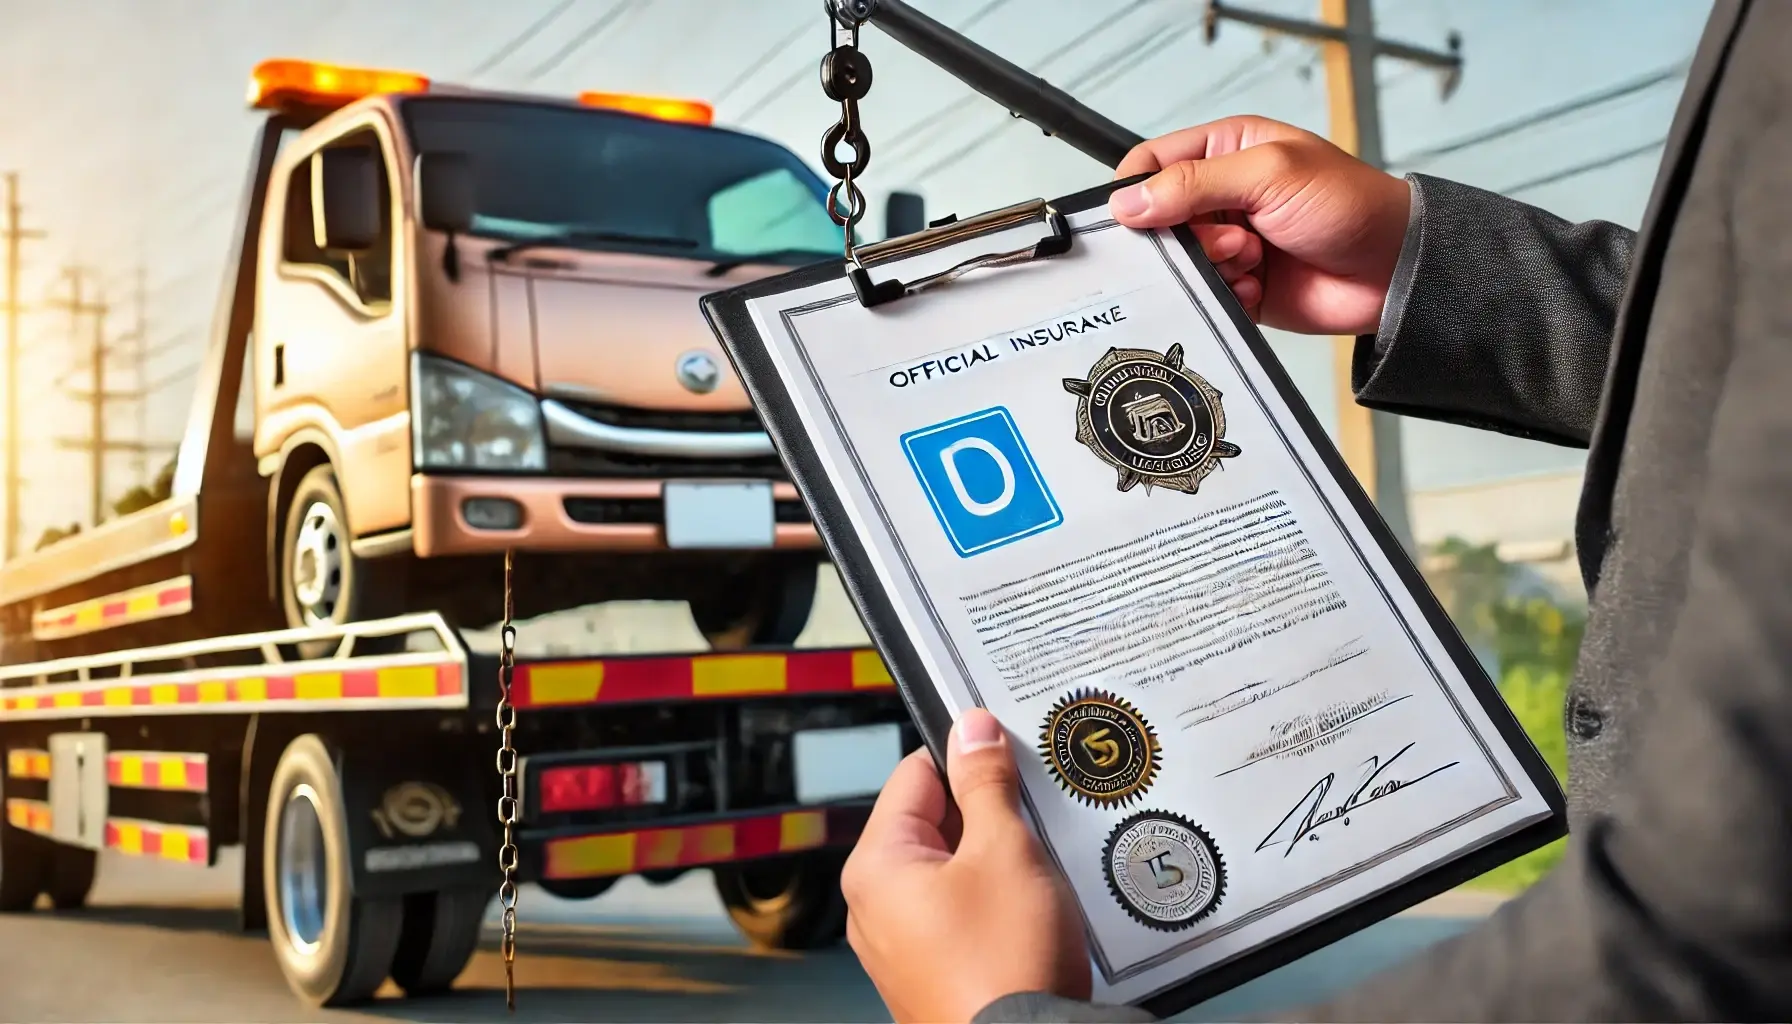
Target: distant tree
57 533
141 497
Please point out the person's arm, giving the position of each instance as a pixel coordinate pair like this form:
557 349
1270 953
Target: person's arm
1677 905
1046 1008
1499 316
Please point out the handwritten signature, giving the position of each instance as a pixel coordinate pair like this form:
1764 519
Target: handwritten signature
1311 812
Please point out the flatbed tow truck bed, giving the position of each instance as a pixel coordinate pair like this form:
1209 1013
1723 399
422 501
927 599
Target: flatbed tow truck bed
362 785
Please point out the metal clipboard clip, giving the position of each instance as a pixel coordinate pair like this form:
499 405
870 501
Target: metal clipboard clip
876 293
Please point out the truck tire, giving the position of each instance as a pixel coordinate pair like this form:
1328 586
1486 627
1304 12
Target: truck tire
335 948
577 888
787 903
441 931
71 873
24 868
768 605
321 581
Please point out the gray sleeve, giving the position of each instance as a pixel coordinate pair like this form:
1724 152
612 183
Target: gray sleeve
1676 904
1045 1008
1499 316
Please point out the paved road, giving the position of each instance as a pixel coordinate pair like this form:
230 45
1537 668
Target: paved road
159 946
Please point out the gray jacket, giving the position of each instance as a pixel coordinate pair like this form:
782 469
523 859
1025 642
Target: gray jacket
1669 354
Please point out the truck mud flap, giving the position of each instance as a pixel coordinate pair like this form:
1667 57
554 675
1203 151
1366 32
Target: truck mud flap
418 821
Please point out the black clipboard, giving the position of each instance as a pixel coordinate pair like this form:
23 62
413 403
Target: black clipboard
727 313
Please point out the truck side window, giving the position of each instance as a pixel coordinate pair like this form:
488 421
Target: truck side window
368 274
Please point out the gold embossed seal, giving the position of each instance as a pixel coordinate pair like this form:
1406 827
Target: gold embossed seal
1100 748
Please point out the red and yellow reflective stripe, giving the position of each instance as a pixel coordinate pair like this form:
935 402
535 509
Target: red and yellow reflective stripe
150 769
30 815
27 764
348 686
182 843
545 684
155 601
622 853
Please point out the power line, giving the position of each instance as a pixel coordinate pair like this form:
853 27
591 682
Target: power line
580 40
1546 114
759 64
518 41
1118 70
983 12
1583 168
1235 80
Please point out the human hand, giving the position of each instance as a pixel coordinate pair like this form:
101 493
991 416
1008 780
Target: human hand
1325 228
949 910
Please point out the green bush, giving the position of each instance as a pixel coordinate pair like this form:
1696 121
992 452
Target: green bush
1536 697
1535 642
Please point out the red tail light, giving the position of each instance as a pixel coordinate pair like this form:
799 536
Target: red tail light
596 787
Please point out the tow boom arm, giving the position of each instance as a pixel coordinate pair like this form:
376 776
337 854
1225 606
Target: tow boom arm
1021 92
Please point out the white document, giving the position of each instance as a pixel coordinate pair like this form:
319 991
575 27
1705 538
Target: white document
1095 516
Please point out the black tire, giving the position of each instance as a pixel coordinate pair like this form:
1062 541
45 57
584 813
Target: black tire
577 888
321 580
441 931
24 868
786 903
71 876
335 948
767 605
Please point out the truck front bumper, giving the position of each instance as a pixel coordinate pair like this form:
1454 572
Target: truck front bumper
561 515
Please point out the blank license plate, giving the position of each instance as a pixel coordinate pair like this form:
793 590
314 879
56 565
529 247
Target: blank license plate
835 764
719 515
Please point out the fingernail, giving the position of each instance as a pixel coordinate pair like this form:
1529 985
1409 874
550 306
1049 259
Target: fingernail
977 729
1131 201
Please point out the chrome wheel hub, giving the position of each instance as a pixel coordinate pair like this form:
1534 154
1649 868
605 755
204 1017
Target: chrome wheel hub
300 870
317 559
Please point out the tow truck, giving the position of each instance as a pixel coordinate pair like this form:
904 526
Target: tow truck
457 325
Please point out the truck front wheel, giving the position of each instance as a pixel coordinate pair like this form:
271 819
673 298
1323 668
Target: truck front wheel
334 947
787 903
322 583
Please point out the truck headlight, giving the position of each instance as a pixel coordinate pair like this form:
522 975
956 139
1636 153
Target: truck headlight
465 419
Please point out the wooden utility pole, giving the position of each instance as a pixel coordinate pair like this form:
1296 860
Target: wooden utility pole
78 306
1369 441
140 359
14 234
100 402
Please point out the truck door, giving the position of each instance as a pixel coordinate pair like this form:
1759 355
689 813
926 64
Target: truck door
332 327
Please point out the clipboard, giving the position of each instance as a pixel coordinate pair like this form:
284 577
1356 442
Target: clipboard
879 283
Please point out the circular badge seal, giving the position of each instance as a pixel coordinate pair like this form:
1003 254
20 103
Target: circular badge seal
1099 748
1164 869
1152 419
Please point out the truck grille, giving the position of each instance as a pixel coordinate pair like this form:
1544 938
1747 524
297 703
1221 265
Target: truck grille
591 462
719 422
596 511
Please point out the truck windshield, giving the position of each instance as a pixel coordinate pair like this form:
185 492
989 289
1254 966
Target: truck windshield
601 180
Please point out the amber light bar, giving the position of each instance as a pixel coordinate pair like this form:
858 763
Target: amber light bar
282 84
657 107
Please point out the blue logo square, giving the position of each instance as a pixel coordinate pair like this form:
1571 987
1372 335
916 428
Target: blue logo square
981 481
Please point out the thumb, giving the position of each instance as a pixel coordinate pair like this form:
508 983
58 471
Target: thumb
985 782
1189 188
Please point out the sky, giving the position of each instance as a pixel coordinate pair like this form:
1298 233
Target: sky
126 123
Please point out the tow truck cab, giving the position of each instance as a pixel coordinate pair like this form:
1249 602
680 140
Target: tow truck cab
464 322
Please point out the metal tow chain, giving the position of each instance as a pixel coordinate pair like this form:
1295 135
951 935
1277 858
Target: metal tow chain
507 802
846 76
